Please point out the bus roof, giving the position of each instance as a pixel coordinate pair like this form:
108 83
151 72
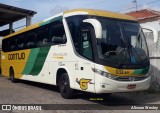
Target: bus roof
75 12
101 13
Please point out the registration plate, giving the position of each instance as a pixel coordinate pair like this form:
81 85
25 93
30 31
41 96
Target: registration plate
131 86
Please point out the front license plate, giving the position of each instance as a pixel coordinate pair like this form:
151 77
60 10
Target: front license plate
131 86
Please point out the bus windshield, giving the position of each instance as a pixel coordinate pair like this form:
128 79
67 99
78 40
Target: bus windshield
122 42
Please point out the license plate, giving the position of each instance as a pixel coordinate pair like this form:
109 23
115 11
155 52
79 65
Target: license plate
131 86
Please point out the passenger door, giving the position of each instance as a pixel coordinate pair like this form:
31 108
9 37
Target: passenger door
83 68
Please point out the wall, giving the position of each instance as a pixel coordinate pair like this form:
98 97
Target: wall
154 52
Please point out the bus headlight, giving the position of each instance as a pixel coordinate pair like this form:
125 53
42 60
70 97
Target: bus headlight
102 73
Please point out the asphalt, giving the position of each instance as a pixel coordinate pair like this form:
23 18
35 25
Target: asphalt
25 92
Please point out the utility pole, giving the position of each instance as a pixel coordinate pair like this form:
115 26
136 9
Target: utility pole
135 3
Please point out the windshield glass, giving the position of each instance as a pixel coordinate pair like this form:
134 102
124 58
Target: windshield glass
122 42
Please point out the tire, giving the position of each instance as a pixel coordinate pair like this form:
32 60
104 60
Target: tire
64 86
12 78
106 94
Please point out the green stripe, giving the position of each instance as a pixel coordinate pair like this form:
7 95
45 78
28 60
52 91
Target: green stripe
31 61
44 23
141 71
40 60
52 20
36 60
56 19
38 56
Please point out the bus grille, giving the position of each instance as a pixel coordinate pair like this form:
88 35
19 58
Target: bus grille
135 78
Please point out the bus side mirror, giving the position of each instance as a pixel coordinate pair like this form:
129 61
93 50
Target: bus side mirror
97 27
152 29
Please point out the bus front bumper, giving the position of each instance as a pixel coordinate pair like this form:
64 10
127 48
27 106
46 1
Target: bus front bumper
105 85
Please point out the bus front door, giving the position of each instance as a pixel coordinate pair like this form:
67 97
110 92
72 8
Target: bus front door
84 75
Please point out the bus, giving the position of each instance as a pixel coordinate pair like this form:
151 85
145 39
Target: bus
0 51
83 49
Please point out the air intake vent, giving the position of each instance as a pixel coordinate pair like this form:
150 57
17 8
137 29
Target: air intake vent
135 78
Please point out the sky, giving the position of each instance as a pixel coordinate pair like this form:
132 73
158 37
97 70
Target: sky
47 8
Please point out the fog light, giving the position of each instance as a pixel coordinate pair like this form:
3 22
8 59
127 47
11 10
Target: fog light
103 85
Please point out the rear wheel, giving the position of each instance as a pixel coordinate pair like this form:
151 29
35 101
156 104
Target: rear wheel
12 76
64 86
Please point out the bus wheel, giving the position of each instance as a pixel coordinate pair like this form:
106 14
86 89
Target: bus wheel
64 86
12 76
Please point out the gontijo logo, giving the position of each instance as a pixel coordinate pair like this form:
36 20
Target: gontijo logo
83 83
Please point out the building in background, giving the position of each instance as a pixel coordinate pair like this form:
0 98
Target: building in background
150 20
9 15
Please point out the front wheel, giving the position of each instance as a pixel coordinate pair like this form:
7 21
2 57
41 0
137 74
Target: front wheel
64 86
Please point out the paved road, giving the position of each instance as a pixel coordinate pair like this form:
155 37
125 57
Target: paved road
25 92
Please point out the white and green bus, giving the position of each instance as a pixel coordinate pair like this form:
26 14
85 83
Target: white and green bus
89 50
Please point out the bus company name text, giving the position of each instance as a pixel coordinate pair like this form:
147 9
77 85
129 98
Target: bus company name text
16 56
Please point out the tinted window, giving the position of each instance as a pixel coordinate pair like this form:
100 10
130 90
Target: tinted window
74 23
81 38
43 36
57 32
5 45
49 34
12 43
86 47
31 37
20 41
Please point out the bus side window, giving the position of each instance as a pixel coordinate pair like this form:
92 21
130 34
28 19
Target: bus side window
57 33
20 42
12 44
4 47
86 49
43 36
31 39
75 34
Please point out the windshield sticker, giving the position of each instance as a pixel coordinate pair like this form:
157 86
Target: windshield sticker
86 44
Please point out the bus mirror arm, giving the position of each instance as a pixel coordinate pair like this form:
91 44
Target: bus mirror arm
97 27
